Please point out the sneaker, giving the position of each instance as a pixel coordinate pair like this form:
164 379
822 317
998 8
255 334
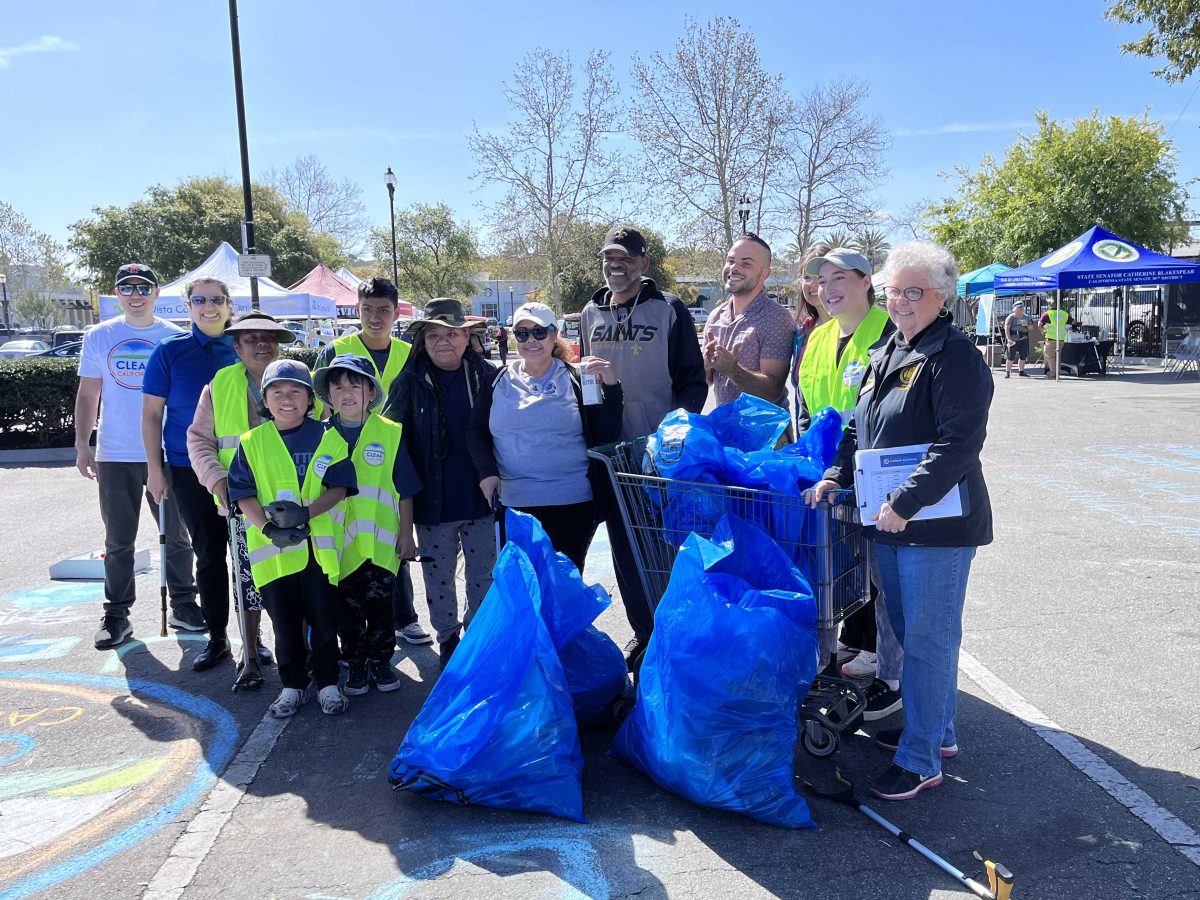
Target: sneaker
385 677
1023 374
861 666
414 634
446 649
882 701
889 739
114 631
289 700
900 784
358 682
187 617
333 701
634 651
1008 374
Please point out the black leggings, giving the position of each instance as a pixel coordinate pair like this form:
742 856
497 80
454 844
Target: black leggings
569 527
210 542
292 601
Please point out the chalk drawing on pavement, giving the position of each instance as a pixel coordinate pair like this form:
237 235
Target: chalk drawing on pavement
51 604
31 648
79 786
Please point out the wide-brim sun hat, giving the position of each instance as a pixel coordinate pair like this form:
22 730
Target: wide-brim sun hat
351 363
843 258
444 311
536 312
262 322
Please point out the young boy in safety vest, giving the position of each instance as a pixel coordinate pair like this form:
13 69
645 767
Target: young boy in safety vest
288 477
379 524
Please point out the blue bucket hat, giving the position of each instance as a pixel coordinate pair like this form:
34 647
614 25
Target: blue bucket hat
348 361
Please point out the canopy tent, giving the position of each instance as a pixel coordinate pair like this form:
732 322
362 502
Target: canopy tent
347 281
981 281
273 298
349 277
321 280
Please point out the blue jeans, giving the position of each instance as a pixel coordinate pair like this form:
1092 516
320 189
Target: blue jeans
924 589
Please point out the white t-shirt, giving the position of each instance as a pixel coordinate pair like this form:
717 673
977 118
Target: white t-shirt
116 352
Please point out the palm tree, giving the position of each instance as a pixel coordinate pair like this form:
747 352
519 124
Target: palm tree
873 244
839 237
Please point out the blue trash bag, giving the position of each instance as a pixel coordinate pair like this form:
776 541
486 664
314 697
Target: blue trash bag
594 666
748 423
498 728
734 648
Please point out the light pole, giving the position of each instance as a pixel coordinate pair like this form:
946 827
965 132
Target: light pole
248 242
4 288
511 305
389 178
743 211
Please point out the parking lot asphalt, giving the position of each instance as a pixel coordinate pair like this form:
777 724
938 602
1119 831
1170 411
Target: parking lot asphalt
125 774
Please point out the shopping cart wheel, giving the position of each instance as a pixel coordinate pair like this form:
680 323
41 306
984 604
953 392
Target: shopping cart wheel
818 741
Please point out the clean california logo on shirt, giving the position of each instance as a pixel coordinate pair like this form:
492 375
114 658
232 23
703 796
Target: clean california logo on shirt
127 362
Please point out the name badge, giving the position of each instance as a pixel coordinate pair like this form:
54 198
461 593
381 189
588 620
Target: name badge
373 454
853 375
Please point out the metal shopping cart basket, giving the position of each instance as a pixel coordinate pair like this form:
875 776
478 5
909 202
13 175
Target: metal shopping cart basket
826 544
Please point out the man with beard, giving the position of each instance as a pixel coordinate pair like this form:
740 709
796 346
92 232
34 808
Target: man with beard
650 339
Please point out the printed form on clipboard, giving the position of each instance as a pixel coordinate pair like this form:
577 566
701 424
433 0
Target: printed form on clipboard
879 472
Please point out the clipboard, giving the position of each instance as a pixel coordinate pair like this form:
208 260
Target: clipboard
878 472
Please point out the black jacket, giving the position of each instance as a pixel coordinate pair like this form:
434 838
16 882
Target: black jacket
936 391
414 403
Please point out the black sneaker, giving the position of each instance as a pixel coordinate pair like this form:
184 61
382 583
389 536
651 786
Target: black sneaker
1023 374
358 681
889 739
114 631
882 701
900 784
187 617
446 649
385 676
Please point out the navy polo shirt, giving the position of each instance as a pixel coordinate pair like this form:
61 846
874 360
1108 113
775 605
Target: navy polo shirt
177 371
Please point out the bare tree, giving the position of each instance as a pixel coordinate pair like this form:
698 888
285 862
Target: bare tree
332 206
554 158
833 160
912 221
711 128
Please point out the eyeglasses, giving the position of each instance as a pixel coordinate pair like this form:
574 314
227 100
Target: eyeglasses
912 294
198 301
538 333
126 290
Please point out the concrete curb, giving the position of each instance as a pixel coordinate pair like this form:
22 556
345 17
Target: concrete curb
51 455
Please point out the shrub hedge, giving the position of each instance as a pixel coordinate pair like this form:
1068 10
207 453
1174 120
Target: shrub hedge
37 400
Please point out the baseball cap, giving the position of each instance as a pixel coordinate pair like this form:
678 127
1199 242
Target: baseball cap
130 271
347 361
538 312
1020 303
623 238
287 370
843 258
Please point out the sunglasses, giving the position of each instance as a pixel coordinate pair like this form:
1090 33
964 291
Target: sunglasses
126 290
538 333
199 301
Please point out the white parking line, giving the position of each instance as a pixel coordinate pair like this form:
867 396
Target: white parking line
1168 826
175 875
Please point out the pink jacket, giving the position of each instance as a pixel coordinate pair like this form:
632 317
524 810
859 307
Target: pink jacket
202 440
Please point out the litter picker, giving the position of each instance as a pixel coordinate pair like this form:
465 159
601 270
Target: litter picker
1000 880
162 566
249 673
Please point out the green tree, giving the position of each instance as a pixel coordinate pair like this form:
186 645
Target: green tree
580 275
839 237
175 229
36 257
873 244
1116 172
1174 33
435 257
37 310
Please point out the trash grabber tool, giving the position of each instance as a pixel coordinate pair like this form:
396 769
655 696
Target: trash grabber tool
498 512
248 671
162 566
1000 880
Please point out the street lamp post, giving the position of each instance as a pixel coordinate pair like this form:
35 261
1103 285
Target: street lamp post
389 178
743 211
4 288
511 305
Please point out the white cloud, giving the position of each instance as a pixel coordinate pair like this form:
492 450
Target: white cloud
962 128
48 43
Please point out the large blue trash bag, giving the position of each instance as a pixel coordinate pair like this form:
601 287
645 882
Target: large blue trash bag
498 728
593 665
748 423
734 647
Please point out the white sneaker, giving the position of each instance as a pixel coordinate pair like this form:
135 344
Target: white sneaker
861 666
333 701
289 700
415 634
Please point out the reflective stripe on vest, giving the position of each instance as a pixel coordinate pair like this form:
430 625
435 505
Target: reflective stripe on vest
824 381
373 522
275 476
1056 324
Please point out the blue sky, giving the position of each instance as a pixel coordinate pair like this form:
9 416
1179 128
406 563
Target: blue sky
101 100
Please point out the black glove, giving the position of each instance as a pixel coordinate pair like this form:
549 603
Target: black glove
285 537
286 513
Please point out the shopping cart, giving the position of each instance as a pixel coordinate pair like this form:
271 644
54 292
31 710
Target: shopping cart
826 544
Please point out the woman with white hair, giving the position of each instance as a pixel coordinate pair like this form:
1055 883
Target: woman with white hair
926 384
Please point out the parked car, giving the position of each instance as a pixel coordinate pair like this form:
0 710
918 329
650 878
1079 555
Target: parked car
699 314
485 335
62 351
1101 310
18 349
568 328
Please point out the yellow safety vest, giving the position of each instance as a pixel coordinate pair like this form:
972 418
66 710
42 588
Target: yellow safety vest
1056 325
352 344
231 415
275 476
373 514
826 382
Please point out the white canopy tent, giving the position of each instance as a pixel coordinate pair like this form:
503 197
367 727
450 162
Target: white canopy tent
273 298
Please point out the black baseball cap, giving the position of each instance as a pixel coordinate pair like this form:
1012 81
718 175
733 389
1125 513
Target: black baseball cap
136 270
624 238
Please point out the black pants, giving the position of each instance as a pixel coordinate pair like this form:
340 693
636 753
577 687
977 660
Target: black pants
210 543
365 617
570 527
638 608
859 629
403 611
293 601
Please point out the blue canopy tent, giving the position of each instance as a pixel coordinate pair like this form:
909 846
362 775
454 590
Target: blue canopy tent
1098 259
981 284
